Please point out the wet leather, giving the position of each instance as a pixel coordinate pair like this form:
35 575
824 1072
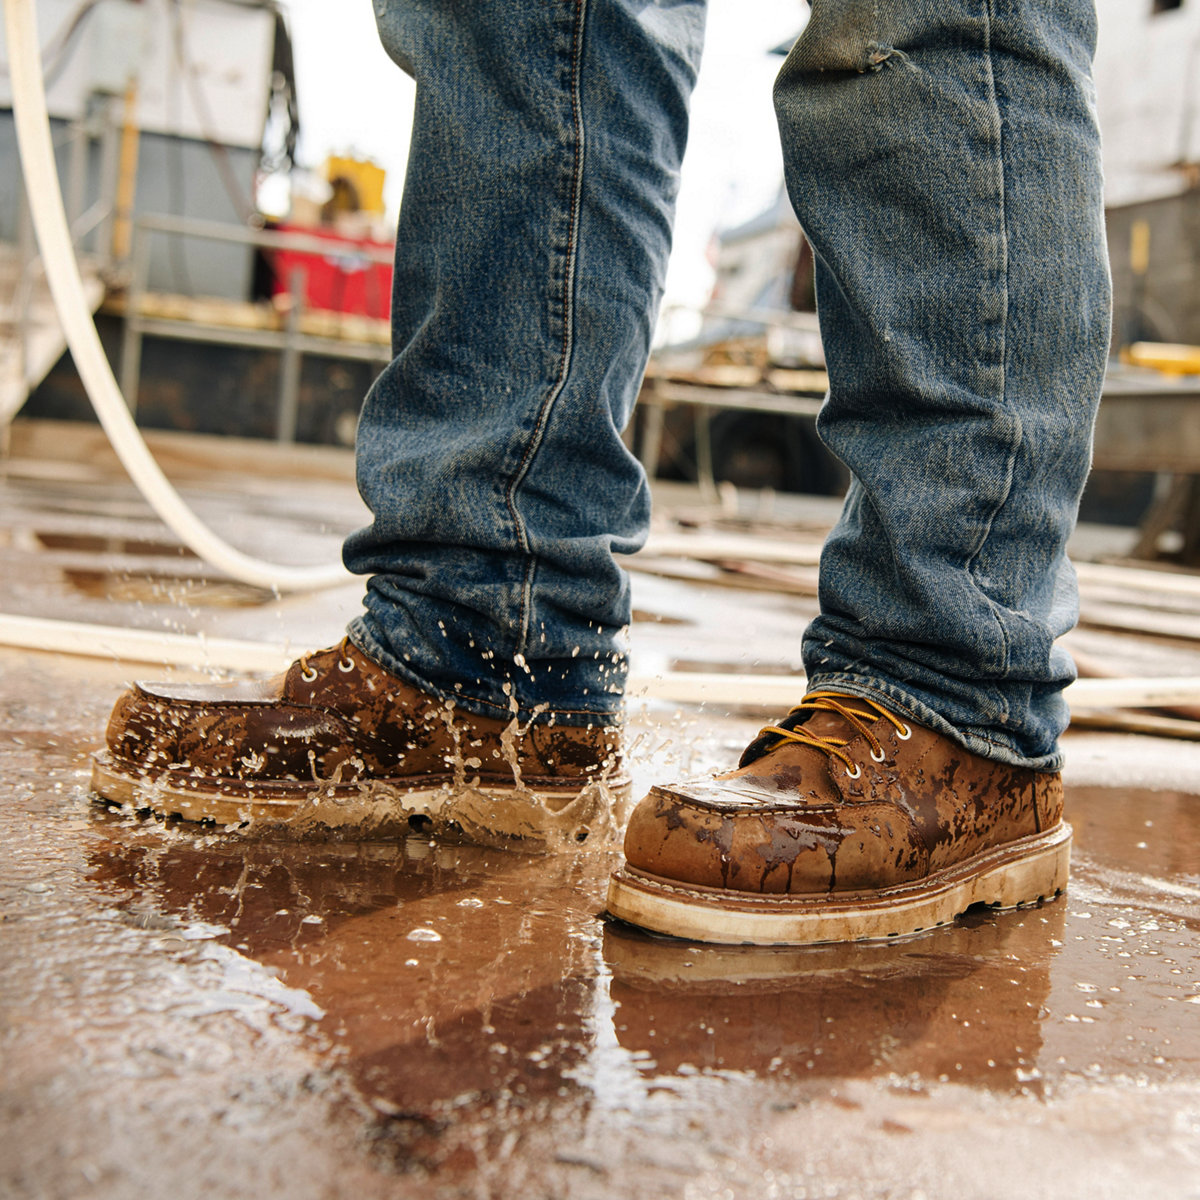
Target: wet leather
344 718
793 820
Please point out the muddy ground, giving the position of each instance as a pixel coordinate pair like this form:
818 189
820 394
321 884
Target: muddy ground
189 1012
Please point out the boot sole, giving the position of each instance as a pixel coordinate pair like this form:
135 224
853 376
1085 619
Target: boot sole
533 815
1010 876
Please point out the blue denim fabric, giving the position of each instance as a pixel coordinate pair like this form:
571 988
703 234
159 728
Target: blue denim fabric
942 157
530 259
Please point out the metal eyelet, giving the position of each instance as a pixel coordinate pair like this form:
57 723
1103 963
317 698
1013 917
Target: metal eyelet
345 665
855 773
905 735
308 674
878 757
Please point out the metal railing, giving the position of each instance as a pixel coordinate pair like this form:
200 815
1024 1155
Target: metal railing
660 393
290 339
95 219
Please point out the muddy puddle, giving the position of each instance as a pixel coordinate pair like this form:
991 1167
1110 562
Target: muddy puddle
187 1013
444 969
190 1012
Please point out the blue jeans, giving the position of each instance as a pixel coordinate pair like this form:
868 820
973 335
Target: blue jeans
943 159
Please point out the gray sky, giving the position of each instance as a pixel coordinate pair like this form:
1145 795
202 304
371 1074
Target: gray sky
353 99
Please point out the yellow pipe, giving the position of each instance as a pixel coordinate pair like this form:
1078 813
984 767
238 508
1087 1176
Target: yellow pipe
122 236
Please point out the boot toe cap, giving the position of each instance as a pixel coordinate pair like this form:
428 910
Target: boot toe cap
800 850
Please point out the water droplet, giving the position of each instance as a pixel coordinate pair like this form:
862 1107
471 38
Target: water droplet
424 935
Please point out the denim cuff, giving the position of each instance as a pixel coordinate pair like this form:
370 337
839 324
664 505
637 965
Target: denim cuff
361 635
985 743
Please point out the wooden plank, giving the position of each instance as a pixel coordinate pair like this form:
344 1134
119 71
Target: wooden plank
183 454
1144 621
139 645
798 379
1171 583
1122 721
711 547
718 575
771 578
1160 692
243 315
757 690
805 551
786 690
1090 667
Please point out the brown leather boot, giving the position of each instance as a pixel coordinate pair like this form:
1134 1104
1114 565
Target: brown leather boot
338 741
844 822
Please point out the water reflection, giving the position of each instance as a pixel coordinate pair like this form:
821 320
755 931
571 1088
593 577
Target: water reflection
452 980
966 1006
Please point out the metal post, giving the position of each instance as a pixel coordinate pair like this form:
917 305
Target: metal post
23 292
77 164
289 366
109 139
1190 524
704 458
126 186
131 341
652 430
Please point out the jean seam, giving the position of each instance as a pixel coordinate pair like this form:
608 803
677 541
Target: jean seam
568 331
1002 355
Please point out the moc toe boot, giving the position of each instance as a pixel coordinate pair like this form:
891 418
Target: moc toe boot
338 741
844 822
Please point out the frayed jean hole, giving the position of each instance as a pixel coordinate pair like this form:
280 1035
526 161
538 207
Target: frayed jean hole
880 56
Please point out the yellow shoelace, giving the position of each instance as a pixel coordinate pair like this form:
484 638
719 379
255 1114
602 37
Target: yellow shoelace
856 711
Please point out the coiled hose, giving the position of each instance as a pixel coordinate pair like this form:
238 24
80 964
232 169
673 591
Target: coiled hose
62 274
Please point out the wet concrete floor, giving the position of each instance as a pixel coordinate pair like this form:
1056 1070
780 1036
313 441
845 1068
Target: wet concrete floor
190 1012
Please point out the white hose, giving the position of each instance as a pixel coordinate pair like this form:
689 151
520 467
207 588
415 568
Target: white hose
66 287
782 691
680 687
141 645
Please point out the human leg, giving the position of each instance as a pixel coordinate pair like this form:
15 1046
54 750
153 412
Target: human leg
530 258
963 287
943 160
482 686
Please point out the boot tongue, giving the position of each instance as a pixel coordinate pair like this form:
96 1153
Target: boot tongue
834 725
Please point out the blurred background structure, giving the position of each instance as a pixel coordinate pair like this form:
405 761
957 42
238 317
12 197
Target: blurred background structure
232 169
